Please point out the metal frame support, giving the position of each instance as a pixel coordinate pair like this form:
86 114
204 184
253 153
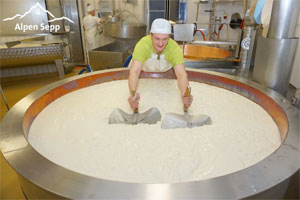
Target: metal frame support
4 99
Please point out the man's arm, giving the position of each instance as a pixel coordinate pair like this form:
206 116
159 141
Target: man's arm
183 83
182 78
133 82
134 73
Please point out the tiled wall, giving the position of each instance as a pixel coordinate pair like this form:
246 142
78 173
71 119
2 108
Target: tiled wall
203 17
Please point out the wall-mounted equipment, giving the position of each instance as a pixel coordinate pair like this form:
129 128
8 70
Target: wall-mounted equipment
131 1
235 21
105 6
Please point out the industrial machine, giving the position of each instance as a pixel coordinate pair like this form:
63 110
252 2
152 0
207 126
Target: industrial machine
31 56
275 53
203 54
126 30
41 178
269 178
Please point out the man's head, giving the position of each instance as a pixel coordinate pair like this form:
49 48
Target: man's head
160 33
91 10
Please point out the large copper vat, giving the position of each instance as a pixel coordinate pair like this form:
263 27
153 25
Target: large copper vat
196 52
41 178
209 58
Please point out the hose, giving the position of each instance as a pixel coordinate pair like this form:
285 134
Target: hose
203 35
215 33
127 60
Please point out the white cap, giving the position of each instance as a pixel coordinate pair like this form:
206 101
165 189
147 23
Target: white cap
90 8
160 26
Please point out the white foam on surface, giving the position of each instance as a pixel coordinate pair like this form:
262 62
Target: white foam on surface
73 132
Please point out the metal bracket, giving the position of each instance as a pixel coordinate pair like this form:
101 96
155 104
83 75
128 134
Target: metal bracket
60 68
4 99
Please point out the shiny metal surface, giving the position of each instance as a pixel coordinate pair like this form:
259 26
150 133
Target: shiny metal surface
247 39
247 44
216 66
214 42
296 99
71 10
27 56
42 178
125 29
210 58
184 32
71 32
112 55
274 62
249 12
283 19
4 98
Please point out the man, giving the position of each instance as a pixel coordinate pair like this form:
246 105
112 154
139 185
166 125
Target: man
90 23
157 52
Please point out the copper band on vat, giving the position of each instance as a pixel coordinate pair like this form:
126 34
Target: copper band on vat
196 52
255 95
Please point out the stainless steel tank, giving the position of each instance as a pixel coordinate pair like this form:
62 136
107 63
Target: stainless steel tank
125 30
41 178
124 25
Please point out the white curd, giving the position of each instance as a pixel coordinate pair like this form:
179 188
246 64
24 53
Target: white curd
73 132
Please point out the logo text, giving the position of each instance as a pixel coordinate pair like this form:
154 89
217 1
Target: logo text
42 27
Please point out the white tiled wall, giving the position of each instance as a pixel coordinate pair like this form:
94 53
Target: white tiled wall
203 17
136 9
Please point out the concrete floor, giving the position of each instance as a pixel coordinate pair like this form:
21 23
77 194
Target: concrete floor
17 89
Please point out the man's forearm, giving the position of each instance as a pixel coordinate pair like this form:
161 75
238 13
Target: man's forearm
183 83
134 74
133 81
182 78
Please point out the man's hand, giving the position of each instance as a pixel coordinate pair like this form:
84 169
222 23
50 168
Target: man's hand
134 104
187 101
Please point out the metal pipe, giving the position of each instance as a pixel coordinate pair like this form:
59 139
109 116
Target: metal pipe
244 7
4 99
275 55
274 62
203 35
244 67
284 19
211 19
248 36
214 42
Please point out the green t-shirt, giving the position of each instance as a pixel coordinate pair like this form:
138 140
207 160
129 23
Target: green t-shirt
143 50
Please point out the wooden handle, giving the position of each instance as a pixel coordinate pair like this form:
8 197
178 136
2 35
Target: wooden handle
187 93
133 94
